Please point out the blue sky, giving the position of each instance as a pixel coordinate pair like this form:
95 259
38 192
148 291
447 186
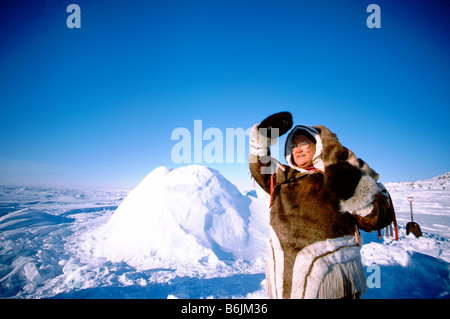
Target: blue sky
96 106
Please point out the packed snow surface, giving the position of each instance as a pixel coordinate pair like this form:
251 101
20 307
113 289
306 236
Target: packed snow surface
190 233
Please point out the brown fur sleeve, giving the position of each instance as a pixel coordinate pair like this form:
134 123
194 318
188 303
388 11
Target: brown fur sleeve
257 169
381 215
261 164
368 205
333 151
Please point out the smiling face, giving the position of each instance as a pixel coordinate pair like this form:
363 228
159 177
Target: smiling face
303 150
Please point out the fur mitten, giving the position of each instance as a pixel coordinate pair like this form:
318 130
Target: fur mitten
281 121
342 179
263 135
355 190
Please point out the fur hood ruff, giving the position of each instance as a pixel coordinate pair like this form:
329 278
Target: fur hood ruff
317 159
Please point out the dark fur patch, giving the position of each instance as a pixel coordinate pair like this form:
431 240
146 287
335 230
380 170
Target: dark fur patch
282 121
342 179
333 151
381 216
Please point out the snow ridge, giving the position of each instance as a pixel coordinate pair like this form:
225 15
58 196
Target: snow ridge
441 182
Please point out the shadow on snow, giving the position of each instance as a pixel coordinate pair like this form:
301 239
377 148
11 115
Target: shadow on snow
180 287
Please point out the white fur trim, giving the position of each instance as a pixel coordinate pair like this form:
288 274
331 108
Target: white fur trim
363 197
274 267
332 284
366 211
259 144
317 159
325 264
255 147
280 166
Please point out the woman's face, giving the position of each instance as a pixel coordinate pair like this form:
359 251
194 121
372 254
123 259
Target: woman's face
303 150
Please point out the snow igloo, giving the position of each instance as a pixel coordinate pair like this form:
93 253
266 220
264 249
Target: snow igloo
185 216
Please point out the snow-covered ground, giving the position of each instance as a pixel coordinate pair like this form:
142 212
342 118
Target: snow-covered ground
189 233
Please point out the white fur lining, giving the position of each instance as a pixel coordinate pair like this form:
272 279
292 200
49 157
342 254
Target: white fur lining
259 144
274 267
256 148
321 268
317 159
326 269
366 211
362 199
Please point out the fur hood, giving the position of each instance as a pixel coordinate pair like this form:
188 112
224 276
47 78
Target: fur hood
317 159
328 150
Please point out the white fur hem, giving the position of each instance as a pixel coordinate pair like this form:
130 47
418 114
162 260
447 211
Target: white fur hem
326 269
320 269
363 197
274 267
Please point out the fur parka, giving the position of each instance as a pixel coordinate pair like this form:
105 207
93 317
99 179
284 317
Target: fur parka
313 251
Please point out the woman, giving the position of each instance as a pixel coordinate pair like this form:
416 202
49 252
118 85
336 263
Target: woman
319 200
